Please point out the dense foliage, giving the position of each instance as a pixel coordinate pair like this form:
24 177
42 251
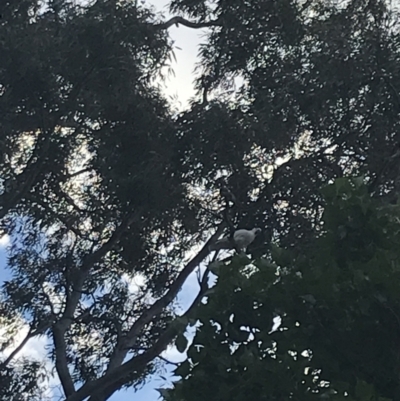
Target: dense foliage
105 188
325 323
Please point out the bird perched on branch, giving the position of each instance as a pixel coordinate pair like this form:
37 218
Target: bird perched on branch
240 240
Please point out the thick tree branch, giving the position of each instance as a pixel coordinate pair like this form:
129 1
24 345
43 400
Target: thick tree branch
101 389
180 20
61 357
62 326
157 308
113 381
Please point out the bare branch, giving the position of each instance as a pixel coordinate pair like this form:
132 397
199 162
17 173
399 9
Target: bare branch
203 287
85 170
167 361
102 388
180 20
200 295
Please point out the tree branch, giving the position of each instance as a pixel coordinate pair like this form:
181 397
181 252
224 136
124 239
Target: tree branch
61 327
180 20
101 389
76 173
28 336
167 361
61 356
58 216
156 309
91 259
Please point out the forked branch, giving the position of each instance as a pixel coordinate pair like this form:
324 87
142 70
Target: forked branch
104 387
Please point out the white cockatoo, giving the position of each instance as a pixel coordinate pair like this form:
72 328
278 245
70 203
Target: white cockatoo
241 240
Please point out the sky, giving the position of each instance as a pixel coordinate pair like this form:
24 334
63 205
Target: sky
180 88
186 42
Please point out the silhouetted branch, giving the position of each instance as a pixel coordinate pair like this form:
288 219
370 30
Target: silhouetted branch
180 20
104 387
61 327
29 335
157 308
61 357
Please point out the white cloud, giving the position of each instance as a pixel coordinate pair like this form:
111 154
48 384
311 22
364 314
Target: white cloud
134 283
35 348
4 240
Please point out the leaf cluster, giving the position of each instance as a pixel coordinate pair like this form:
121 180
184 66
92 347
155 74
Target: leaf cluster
323 322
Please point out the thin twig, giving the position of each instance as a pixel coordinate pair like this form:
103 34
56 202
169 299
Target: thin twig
166 360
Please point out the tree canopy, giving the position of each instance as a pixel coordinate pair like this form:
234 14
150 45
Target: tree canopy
103 182
324 323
